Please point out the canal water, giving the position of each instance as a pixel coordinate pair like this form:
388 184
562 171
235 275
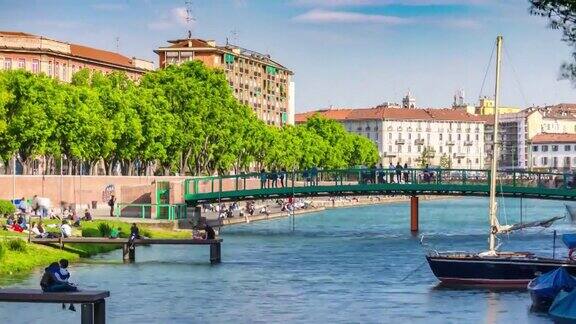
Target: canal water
353 265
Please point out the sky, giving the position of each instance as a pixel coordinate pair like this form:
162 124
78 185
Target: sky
344 53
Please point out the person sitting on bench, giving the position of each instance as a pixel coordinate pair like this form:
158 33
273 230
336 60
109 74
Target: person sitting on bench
55 280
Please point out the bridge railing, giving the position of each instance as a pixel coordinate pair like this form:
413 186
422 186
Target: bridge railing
345 177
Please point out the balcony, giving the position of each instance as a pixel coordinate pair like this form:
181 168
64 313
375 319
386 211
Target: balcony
468 143
419 142
450 143
390 154
400 142
460 155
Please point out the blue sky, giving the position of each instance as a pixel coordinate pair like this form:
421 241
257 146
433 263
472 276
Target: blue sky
345 53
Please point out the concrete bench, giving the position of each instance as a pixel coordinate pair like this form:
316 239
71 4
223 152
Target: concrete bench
130 254
93 310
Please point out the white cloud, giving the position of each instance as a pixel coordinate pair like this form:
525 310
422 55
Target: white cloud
320 16
175 17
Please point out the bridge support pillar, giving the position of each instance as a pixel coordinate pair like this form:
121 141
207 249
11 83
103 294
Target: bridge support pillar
414 213
128 253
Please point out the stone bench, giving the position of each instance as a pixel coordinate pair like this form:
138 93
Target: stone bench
93 310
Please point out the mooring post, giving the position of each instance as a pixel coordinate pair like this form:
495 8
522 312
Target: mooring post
414 213
215 253
128 253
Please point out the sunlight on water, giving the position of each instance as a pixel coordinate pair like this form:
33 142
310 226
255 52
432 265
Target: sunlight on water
346 265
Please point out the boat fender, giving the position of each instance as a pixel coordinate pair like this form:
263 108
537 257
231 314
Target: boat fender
571 255
494 230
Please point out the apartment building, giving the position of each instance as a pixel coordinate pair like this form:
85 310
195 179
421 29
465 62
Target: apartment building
553 151
517 131
256 79
401 134
61 60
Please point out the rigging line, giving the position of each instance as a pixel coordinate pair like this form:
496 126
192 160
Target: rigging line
515 74
487 69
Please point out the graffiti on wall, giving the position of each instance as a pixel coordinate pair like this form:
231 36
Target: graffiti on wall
108 192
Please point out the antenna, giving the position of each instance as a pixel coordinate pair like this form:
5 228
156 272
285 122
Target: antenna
190 19
117 44
234 36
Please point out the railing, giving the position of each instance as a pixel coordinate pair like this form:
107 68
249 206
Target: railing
163 211
376 177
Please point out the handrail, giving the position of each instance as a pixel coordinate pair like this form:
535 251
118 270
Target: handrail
175 211
342 177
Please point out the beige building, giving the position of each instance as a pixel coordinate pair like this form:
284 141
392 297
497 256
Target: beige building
553 151
402 134
61 60
255 79
517 131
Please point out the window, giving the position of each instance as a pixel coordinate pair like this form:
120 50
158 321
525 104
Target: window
409 136
458 137
64 72
389 136
544 148
567 148
440 136
477 160
535 148
544 161
409 149
7 64
554 148
57 70
35 66
49 68
555 161
477 137
389 148
21 63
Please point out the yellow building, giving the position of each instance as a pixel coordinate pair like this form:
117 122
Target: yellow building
486 107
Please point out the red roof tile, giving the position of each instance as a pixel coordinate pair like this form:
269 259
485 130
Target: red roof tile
100 55
554 138
382 113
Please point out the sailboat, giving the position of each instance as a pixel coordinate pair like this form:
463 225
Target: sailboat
494 267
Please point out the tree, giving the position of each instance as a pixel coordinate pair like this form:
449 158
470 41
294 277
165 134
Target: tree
561 15
424 158
445 161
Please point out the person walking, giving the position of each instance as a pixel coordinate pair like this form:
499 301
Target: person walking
111 203
391 168
406 172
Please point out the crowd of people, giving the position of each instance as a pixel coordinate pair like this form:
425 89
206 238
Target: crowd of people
394 174
36 212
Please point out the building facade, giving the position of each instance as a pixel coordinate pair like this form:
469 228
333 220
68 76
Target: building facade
517 131
554 151
402 134
61 60
256 80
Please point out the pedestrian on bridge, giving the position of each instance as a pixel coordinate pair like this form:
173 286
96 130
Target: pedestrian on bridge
263 178
398 172
391 167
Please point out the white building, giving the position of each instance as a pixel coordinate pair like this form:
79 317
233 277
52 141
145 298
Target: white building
554 151
401 134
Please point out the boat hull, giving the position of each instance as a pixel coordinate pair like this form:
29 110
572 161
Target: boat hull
494 271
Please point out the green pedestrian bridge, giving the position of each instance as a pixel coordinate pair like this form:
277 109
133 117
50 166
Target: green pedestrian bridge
356 182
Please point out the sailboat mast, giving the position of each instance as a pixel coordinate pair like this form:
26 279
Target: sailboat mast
495 150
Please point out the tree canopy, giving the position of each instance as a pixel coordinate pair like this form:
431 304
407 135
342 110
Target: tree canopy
179 120
561 15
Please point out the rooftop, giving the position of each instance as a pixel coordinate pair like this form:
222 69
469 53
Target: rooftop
387 113
554 138
77 50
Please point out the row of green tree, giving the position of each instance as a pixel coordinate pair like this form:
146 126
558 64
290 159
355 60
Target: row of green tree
182 119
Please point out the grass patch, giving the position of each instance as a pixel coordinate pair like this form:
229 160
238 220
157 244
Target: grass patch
18 258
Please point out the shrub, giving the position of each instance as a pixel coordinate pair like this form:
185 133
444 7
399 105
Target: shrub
104 229
17 245
7 207
145 232
90 232
2 250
